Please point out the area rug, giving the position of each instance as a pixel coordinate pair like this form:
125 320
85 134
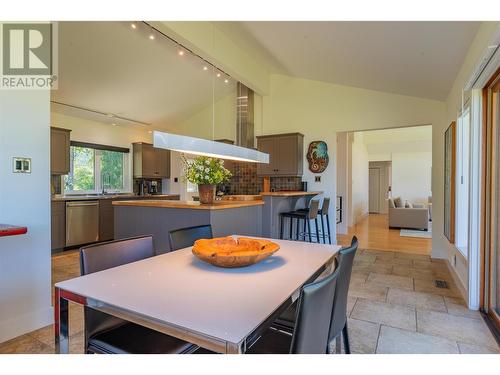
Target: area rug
416 232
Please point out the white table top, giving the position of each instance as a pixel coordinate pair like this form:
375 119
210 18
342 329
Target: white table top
226 304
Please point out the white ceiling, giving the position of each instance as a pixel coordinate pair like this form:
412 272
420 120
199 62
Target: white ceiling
112 68
411 58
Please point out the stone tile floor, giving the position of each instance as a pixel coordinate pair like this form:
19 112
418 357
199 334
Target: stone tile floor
393 307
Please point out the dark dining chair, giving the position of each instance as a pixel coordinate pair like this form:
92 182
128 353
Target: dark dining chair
106 334
338 325
313 315
185 237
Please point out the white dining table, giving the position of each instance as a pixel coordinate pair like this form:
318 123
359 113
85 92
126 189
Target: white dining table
220 309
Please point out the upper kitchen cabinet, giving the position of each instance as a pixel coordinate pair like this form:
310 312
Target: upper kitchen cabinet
150 162
286 153
59 150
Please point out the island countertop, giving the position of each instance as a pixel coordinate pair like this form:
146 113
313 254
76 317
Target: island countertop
290 193
218 205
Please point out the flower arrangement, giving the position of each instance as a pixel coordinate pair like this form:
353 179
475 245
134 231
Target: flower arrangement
204 170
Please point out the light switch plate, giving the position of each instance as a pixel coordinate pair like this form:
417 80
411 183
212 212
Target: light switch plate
317 179
21 165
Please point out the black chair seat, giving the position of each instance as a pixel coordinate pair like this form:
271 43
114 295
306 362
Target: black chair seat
272 342
131 338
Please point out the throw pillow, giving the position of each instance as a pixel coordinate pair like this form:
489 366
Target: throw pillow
398 202
408 205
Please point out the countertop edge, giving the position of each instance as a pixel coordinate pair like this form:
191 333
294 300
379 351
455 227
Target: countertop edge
187 206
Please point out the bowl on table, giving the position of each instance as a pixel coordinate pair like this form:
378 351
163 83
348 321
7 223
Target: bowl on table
232 252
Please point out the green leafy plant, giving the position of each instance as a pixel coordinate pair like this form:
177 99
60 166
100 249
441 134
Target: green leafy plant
205 170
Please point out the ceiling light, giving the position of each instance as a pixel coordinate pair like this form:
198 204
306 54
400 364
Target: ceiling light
133 25
180 53
226 80
205 68
151 36
218 75
150 132
205 147
113 124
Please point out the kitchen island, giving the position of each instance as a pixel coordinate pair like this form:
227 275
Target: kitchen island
282 201
159 217
256 217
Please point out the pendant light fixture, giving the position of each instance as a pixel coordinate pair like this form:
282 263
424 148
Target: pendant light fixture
205 147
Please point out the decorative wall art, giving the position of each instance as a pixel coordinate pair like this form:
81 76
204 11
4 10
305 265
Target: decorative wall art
317 156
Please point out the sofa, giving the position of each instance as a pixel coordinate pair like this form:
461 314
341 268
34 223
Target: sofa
410 217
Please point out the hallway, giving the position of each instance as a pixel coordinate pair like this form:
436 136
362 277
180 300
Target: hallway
374 234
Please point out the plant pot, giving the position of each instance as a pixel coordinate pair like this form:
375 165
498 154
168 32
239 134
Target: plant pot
207 193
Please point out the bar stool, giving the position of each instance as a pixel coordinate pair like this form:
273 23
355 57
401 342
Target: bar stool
307 216
323 212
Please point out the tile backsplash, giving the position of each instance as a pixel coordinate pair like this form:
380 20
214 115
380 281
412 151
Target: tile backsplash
246 181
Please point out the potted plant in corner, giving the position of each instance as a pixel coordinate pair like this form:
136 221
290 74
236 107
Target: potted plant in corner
206 172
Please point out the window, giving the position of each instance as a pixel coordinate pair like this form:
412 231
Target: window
96 167
462 183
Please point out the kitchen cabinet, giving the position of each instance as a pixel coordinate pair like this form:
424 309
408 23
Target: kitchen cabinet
150 162
58 225
106 217
286 154
59 151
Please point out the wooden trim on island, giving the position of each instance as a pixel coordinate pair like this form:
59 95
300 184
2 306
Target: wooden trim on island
219 205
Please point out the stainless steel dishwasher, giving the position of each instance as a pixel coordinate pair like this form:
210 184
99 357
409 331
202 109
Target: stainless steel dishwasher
82 222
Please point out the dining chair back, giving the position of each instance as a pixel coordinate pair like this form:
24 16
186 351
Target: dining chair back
185 237
338 324
314 311
104 255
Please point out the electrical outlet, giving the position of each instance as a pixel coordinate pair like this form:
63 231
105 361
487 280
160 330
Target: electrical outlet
455 260
317 179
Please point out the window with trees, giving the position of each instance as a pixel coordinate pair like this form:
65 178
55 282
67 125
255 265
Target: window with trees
95 168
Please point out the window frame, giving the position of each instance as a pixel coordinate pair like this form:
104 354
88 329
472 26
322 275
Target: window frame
98 149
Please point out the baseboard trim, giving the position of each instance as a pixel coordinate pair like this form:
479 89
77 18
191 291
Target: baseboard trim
22 324
458 281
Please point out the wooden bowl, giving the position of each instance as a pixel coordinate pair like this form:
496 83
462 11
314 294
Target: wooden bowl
229 252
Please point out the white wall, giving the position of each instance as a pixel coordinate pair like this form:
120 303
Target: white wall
319 110
411 176
25 282
360 173
453 104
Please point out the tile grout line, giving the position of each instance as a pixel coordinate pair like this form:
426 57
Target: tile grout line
378 338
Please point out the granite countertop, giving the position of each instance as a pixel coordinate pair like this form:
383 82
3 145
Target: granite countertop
109 196
290 193
218 205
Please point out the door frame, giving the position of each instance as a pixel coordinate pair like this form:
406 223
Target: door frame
490 159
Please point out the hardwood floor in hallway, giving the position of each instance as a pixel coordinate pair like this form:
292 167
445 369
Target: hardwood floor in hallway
374 234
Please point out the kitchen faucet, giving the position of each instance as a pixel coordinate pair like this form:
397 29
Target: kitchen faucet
103 181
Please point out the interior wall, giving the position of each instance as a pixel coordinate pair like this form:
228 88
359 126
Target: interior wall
343 176
319 110
482 40
411 176
25 282
359 179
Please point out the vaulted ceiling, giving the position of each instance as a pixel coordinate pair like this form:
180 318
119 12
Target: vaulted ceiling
411 58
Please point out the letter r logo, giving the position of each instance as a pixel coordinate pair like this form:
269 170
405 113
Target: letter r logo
27 49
